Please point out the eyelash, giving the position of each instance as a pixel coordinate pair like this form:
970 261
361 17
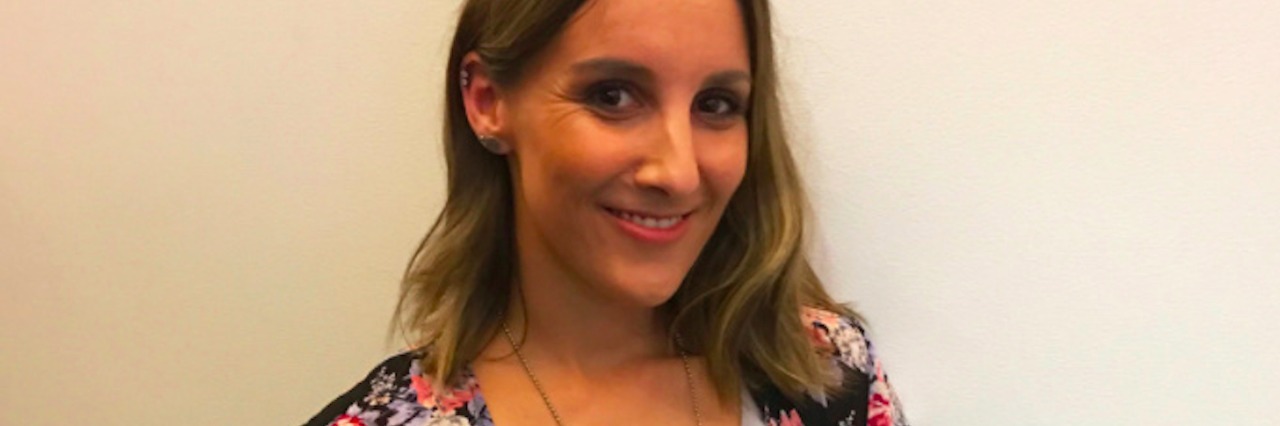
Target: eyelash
734 105
592 98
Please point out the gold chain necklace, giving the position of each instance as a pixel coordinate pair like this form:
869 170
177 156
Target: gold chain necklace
537 384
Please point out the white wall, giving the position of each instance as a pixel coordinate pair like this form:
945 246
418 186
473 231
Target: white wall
206 205
1052 213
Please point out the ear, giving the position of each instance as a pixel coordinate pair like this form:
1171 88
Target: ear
482 98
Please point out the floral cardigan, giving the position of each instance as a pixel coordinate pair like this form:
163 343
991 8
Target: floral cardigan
397 393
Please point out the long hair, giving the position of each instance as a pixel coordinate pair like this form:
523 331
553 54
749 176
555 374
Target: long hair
739 306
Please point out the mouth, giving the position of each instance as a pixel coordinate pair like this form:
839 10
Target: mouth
648 220
651 227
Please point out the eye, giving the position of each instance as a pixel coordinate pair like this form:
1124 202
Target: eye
611 97
717 104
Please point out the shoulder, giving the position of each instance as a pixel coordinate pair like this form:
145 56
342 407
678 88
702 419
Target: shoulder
844 339
840 337
397 393
867 397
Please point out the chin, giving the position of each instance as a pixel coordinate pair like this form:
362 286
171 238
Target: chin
646 293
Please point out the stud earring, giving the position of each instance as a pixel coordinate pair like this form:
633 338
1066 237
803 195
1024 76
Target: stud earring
494 145
465 78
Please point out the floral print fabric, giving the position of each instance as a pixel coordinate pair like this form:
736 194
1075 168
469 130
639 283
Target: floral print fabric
397 393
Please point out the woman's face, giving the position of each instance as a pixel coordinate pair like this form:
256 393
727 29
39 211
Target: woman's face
629 136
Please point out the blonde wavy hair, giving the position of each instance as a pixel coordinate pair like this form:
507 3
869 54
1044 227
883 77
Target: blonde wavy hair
739 306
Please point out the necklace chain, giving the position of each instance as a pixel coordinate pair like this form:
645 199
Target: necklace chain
537 384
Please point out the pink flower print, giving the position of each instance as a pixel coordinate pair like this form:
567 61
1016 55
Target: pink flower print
880 409
446 400
426 392
454 399
821 343
347 420
811 315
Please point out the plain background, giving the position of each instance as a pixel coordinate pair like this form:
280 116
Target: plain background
1053 213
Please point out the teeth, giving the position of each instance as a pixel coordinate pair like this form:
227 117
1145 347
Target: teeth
649 222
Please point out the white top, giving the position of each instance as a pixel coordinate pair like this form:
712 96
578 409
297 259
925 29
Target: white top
750 412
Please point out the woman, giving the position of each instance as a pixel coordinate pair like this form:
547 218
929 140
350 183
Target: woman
622 240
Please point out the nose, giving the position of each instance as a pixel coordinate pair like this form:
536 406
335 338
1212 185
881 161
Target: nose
670 163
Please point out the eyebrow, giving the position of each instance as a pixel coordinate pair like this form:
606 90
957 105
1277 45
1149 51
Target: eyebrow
634 71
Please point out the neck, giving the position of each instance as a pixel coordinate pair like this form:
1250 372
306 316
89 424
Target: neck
565 322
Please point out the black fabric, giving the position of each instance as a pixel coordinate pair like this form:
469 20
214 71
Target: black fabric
848 407
339 405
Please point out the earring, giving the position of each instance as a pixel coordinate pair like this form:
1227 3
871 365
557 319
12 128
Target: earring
494 145
466 78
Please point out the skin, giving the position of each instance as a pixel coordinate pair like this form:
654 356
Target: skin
635 107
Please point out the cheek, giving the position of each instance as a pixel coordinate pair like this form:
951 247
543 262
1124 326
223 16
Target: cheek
565 156
724 163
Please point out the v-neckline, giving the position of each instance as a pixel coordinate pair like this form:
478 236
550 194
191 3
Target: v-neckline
750 415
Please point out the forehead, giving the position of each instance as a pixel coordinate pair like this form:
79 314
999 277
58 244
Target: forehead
666 35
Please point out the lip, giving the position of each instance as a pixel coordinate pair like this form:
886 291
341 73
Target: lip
650 235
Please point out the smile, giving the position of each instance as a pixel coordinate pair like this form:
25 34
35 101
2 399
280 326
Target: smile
651 228
652 222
